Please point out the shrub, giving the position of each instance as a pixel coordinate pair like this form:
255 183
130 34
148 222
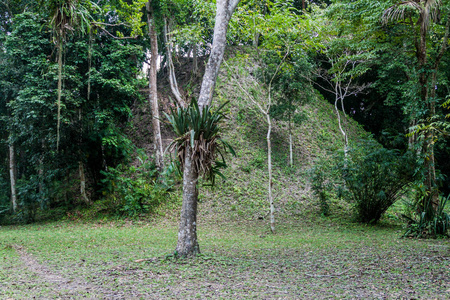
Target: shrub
429 222
134 190
375 178
321 184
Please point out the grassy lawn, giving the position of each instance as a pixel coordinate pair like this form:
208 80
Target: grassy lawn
126 260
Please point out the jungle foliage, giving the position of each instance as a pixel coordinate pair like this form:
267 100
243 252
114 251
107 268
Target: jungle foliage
71 74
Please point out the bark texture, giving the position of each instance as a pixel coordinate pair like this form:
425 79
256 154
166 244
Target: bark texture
153 88
58 101
187 233
269 167
225 9
83 183
172 77
12 175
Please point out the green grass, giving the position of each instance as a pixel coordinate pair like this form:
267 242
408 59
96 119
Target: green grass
239 260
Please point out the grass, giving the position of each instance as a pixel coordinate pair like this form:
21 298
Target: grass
240 260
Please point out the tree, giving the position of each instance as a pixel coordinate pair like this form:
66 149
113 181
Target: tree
153 86
187 244
263 101
339 81
419 16
64 15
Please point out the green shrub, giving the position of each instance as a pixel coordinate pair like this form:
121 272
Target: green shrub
322 184
375 178
429 222
134 190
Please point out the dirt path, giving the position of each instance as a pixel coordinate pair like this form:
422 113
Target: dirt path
58 285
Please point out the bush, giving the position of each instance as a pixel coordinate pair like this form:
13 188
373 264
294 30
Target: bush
134 190
322 184
375 178
429 222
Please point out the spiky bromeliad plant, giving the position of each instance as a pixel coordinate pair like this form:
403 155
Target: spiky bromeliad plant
200 129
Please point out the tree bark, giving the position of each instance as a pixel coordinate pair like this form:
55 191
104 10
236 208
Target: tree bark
172 77
153 89
58 101
225 9
269 167
291 154
187 234
83 183
195 60
12 176
344 134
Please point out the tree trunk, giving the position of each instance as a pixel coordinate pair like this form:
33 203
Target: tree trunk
172 77
195 60
344 134
269 167
12 176
187 234
291 154
225 9
83 183
58 102
88 97
153 89
41 171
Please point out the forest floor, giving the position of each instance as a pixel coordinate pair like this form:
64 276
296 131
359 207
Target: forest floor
239 260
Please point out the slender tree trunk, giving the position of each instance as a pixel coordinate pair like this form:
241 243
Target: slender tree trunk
269 167
153 89
225 9
187 234
12 176
41 171
344 134
172 77
81 171
58 103
291 154
195 60
80 162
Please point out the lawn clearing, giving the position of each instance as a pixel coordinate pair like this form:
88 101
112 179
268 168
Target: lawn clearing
128 260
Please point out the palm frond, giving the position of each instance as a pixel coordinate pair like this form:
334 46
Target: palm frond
199 129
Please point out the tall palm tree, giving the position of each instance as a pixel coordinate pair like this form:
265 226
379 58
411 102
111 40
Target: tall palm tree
64 15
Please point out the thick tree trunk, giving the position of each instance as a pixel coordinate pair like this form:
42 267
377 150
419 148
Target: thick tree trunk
428 97
12 176
83 183
153 89
187 234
